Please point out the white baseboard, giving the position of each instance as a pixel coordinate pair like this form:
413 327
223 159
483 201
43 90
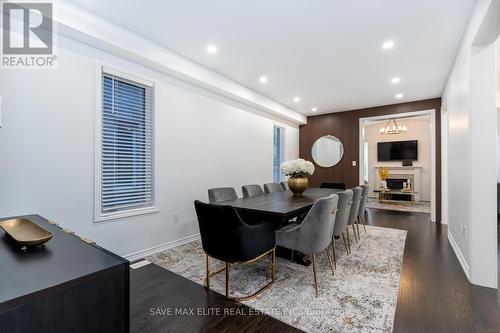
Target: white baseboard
459 255
158 248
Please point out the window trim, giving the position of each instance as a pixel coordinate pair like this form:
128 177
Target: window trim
282 148
101 68
366 167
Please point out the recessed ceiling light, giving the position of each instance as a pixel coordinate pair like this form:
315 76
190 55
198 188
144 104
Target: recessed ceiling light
388 44
263 79
395 80
211 49
314 109
399 95
296 99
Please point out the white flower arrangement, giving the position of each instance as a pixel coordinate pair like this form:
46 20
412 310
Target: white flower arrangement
297 168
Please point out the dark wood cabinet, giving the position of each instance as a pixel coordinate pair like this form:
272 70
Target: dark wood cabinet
67 285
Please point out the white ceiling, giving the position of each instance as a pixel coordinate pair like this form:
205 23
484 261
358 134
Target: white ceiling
328 52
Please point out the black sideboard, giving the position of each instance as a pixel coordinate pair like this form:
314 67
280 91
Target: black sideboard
67 285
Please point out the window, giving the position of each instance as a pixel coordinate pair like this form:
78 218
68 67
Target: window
126 184
278 152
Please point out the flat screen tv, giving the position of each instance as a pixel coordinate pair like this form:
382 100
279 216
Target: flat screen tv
398 151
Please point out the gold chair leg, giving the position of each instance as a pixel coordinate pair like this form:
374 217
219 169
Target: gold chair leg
330 260
292 255
206 282
208 272
363 221
348 239
345 242
357 227
244 298
314 273
334 254
273 269
354 231
227 280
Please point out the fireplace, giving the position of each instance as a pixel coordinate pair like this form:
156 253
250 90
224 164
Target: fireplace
397 176
395 183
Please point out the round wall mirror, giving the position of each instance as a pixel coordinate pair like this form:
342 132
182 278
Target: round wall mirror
327 151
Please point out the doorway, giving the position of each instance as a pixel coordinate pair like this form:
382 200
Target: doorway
417 178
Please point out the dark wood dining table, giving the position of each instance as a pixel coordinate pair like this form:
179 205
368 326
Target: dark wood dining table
279 208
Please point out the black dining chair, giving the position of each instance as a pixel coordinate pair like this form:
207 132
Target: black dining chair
339 186
226 237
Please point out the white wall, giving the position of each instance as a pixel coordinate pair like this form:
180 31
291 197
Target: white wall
469 97
444 166
483 124
498 143
417 129
47 149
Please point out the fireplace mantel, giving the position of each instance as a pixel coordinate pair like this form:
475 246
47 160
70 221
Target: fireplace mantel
398 167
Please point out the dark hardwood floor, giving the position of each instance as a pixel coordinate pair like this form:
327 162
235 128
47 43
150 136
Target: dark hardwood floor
434 294
156 295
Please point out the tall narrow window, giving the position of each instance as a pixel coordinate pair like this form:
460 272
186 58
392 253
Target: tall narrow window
126 175
278 152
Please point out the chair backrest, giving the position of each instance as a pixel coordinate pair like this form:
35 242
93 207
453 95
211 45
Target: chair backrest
221 194
251 190
218 229
273 187
340 186
364 198
356 199
344 209
225 236
285 186
317 228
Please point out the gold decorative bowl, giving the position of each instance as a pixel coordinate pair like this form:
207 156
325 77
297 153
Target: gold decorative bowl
25 232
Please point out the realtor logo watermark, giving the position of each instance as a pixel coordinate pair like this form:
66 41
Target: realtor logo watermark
27 35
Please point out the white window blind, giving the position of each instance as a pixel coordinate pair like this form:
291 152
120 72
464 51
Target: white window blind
126 145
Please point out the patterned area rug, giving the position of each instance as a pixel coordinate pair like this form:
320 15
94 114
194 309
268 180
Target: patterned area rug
360 297
417 207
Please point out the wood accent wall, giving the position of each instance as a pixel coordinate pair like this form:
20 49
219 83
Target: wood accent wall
345 126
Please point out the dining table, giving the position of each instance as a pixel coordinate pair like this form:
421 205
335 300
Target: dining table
279 208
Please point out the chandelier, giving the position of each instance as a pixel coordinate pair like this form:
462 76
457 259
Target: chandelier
394 129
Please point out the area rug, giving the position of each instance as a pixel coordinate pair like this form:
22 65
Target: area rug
416 207
360 297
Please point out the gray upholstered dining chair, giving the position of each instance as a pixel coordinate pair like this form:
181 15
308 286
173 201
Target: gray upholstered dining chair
285 186
353 215
221 194
362 206
251 190
314 234
341 220
273 187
